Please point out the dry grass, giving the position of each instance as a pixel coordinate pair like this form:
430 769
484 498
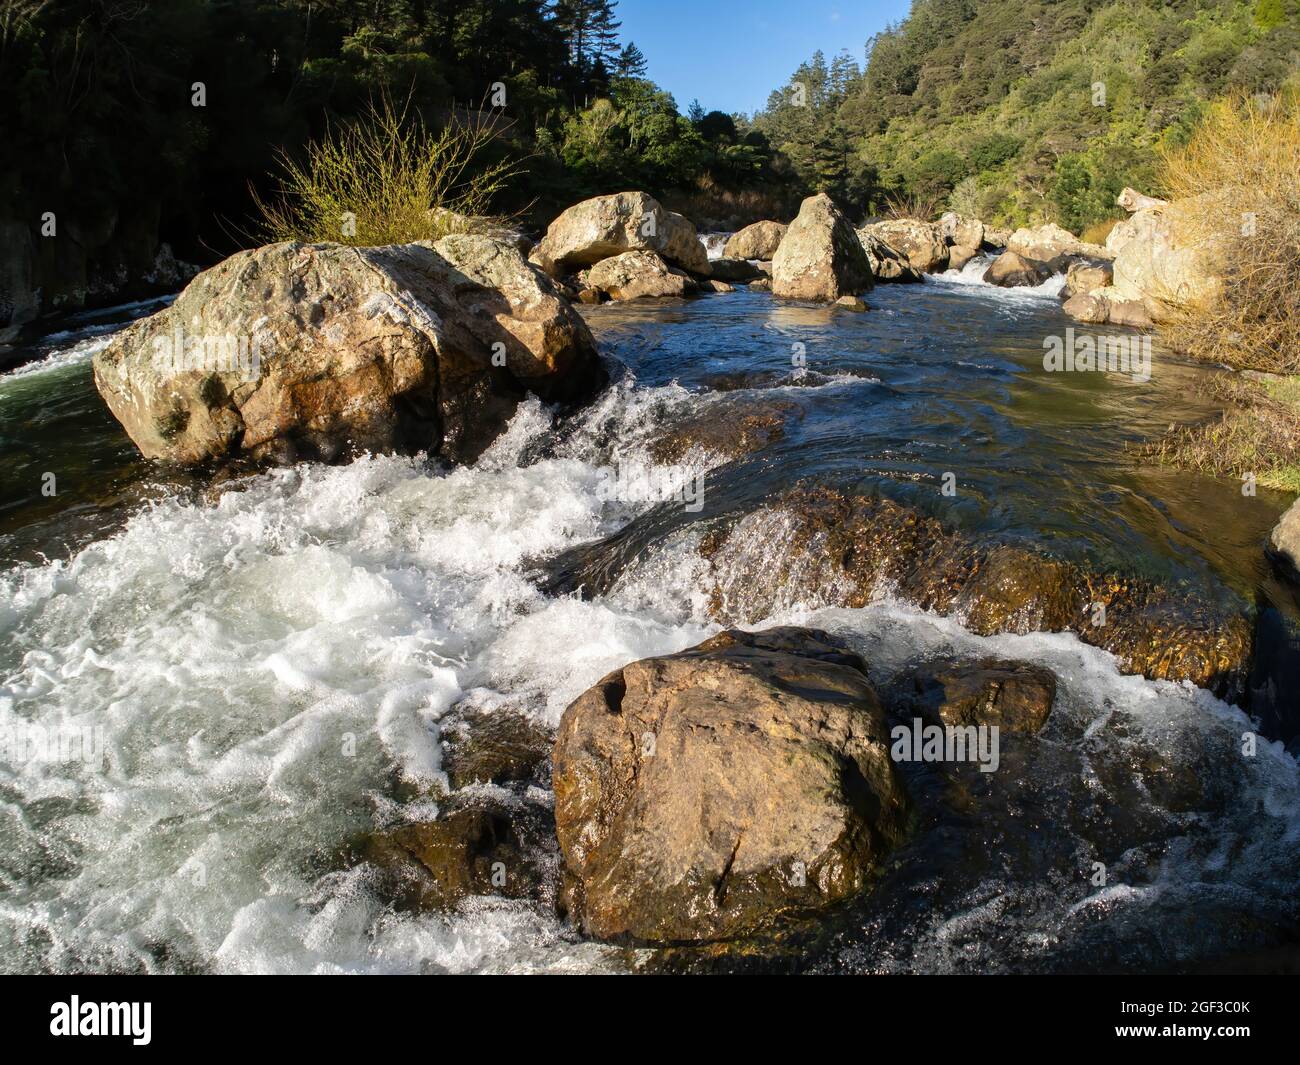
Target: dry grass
926 208
1098 231
1244 161
1258 434
388 179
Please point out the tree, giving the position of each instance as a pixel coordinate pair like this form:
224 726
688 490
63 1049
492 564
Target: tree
631 62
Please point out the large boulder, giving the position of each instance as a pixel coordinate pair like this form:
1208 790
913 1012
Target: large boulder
295 351
1163 258
820 257
1047 242
757 241
605 226
636 274
921 242
887 263
701 794
1011 270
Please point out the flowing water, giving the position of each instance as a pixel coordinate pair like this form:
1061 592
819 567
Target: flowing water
255 676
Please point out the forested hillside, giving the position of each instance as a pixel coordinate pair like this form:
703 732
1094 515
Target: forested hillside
1012 109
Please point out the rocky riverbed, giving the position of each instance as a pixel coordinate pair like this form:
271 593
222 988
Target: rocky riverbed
825 628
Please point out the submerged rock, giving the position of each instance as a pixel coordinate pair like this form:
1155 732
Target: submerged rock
757 241
634 275
700 795
606 226
502 747
314 351
1014 696
472 850
816 545
820 257
729 429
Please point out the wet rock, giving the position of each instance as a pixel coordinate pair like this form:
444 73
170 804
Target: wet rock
1014 696
698 796
851 303
500 747
636 275
716 286
757 241
761 284
728 429
734 270
297 351
605 226
815 545
820 257
919 242
472 850
1012 270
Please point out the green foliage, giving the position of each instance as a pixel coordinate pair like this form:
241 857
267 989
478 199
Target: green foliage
1050 106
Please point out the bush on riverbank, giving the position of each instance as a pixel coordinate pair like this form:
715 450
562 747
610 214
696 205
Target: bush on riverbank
387 179
1244 158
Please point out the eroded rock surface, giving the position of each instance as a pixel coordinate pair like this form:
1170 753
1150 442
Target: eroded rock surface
700 795
298 351
820 257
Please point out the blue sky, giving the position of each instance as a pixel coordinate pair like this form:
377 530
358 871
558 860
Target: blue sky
730 54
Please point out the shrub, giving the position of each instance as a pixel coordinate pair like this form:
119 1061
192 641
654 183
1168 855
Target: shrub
1244 159
387 179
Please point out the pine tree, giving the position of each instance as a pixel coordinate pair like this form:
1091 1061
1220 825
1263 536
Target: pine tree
631 62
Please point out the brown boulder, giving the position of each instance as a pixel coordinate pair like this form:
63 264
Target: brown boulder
316 350
921 243
1011 270
727 269
700 795
757 241
1085 276
605 226
635 275
820 257
841 550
